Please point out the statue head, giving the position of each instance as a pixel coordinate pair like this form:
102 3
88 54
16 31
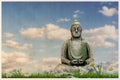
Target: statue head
76 29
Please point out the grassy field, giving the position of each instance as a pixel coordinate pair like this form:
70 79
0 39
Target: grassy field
93 72
51 75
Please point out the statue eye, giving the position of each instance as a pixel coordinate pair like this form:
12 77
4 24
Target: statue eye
78 28
73 28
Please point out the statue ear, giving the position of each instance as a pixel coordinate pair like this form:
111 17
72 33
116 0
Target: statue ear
71 28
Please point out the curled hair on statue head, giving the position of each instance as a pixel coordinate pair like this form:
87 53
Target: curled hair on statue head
75 22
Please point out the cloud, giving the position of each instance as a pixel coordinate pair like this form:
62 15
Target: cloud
78 12
54 32
13 60
15 45
51 31
108 11
39 50
33 33
16 60
47 64
63 20
75 15
8 35
98 36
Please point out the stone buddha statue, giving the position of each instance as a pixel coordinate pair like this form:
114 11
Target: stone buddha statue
75 51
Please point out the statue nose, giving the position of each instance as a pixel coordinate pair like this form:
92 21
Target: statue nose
76 30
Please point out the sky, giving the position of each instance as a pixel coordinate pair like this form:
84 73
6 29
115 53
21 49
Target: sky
33 32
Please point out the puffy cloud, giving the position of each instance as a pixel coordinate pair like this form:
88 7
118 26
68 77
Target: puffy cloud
75 16
39 50
33 32
54 32
46 64
15 45
16 60
108 11
98 36
8 35
78 12
63 20
13 60
51 60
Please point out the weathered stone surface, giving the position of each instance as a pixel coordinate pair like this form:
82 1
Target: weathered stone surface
66 68
76 51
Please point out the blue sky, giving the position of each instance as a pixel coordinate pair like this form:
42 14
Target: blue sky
98 20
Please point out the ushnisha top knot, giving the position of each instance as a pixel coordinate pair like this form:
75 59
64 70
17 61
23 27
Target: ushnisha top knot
76 22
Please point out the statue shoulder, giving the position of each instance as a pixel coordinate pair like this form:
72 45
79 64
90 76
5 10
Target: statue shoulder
66 42
85 42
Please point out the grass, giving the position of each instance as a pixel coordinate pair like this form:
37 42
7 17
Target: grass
94 72
94 75
46 75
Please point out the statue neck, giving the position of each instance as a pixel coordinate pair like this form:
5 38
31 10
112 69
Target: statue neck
72 38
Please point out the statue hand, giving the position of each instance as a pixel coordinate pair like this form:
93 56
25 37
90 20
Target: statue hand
80 61
74 62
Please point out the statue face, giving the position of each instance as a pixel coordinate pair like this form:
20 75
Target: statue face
76 31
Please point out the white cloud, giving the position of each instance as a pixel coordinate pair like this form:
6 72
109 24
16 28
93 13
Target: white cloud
99 42
51 31
98 36
39 50
33 33
63 20
46 64
16 60
77 11
108 11
54 32
8 35
75 16
13 60
15 45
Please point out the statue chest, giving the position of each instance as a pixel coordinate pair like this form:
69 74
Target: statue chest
77 49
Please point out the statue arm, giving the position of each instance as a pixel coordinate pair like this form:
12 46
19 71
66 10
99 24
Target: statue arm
90 55
64 54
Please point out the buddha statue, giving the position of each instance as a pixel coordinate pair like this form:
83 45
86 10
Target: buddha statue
75 51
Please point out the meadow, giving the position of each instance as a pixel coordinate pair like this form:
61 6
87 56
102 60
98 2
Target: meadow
93 72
